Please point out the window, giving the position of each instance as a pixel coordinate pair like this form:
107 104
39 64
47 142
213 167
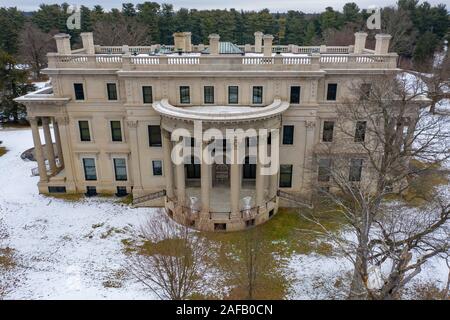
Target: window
90 173
112 91
295 95
157 167
154 136
121 191
120 169
360 132
57 189
147 94
250 223
285 176
91 191
185 96
85 134
332 92
193 169
208 94
79 91
355 169
365 90
288 134
328 129
116 131
249 169
324 170
220 226
233 94
257 95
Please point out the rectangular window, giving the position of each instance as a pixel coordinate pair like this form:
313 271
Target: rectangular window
120 169
208 94
285 176
185 96
147 94
360 131
121 191
295 95
332 92
324 172
90 173
328 129
355 169
79 91
85 134
112 91
116 131
288 134
157 167
233 94
154 136
257 95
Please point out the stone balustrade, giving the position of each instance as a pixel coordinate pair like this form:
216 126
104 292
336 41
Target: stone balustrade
312 62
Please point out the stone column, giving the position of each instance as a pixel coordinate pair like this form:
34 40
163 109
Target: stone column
235 182
168 168
181 184
49 145
258 41
259 182
273 185
58 144
66 151
134 146
205 182
38 152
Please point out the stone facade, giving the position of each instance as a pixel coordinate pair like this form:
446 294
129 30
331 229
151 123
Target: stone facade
109 104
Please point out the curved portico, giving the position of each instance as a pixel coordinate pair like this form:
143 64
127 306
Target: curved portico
231 195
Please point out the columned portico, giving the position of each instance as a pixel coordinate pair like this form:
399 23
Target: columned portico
225 202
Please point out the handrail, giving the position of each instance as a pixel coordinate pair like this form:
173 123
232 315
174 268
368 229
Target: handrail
294 198
149 197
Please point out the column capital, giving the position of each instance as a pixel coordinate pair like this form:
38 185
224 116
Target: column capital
132 123
45 120
32 120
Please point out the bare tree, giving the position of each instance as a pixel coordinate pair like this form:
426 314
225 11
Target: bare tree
381 128
34 45
121 30
172 264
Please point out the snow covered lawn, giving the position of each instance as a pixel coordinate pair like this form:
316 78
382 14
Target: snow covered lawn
73 249
64 250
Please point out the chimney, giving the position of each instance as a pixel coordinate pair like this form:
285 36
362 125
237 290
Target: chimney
182 40
360 42
268 39
258 41
63 43
382 43
88 42
214 44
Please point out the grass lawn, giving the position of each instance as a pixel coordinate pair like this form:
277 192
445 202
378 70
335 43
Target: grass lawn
272 244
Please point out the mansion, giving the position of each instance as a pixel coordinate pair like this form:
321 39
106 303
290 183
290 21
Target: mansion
111 112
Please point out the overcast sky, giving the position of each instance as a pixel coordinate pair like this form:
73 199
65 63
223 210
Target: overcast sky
273 5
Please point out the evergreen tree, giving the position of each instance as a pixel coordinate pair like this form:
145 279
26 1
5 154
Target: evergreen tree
11 23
